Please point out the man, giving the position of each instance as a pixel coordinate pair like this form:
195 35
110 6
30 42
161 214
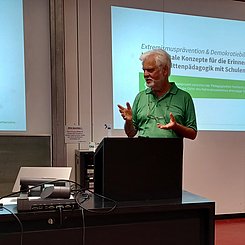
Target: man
161 110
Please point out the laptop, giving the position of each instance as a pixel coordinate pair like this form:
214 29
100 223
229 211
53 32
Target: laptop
41 173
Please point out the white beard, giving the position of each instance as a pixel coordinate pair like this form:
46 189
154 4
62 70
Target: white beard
151 84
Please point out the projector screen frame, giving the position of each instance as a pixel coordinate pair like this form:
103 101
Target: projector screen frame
101 47
37 61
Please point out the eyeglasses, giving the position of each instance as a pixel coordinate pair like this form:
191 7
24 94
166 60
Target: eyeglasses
158 119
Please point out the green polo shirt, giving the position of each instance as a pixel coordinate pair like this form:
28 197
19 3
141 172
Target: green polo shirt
148 110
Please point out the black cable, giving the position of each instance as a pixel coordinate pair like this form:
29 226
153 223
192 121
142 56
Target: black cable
93 211
85 197
83 227
78 193
21 225
61 215
42 184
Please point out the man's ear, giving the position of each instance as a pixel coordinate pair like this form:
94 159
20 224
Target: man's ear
165 70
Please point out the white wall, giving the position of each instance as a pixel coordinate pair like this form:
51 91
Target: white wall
214 164
214 167
38 70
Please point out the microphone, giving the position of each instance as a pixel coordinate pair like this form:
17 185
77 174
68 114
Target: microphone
56 192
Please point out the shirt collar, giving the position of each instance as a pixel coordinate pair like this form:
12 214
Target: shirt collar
173 89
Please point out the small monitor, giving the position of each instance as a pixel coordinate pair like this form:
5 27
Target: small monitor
41 172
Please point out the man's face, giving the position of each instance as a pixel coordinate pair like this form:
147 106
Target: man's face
153 74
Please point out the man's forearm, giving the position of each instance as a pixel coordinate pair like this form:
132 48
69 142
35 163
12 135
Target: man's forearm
184 131
130 129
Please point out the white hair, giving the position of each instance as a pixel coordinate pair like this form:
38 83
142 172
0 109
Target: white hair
162 58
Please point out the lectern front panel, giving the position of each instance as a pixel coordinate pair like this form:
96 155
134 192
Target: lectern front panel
128 169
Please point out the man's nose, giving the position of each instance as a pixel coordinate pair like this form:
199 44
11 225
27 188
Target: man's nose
146 73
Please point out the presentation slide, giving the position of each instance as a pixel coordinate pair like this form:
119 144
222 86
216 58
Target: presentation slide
208 61
12 69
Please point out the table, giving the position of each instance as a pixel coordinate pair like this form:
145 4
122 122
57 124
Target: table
189 221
